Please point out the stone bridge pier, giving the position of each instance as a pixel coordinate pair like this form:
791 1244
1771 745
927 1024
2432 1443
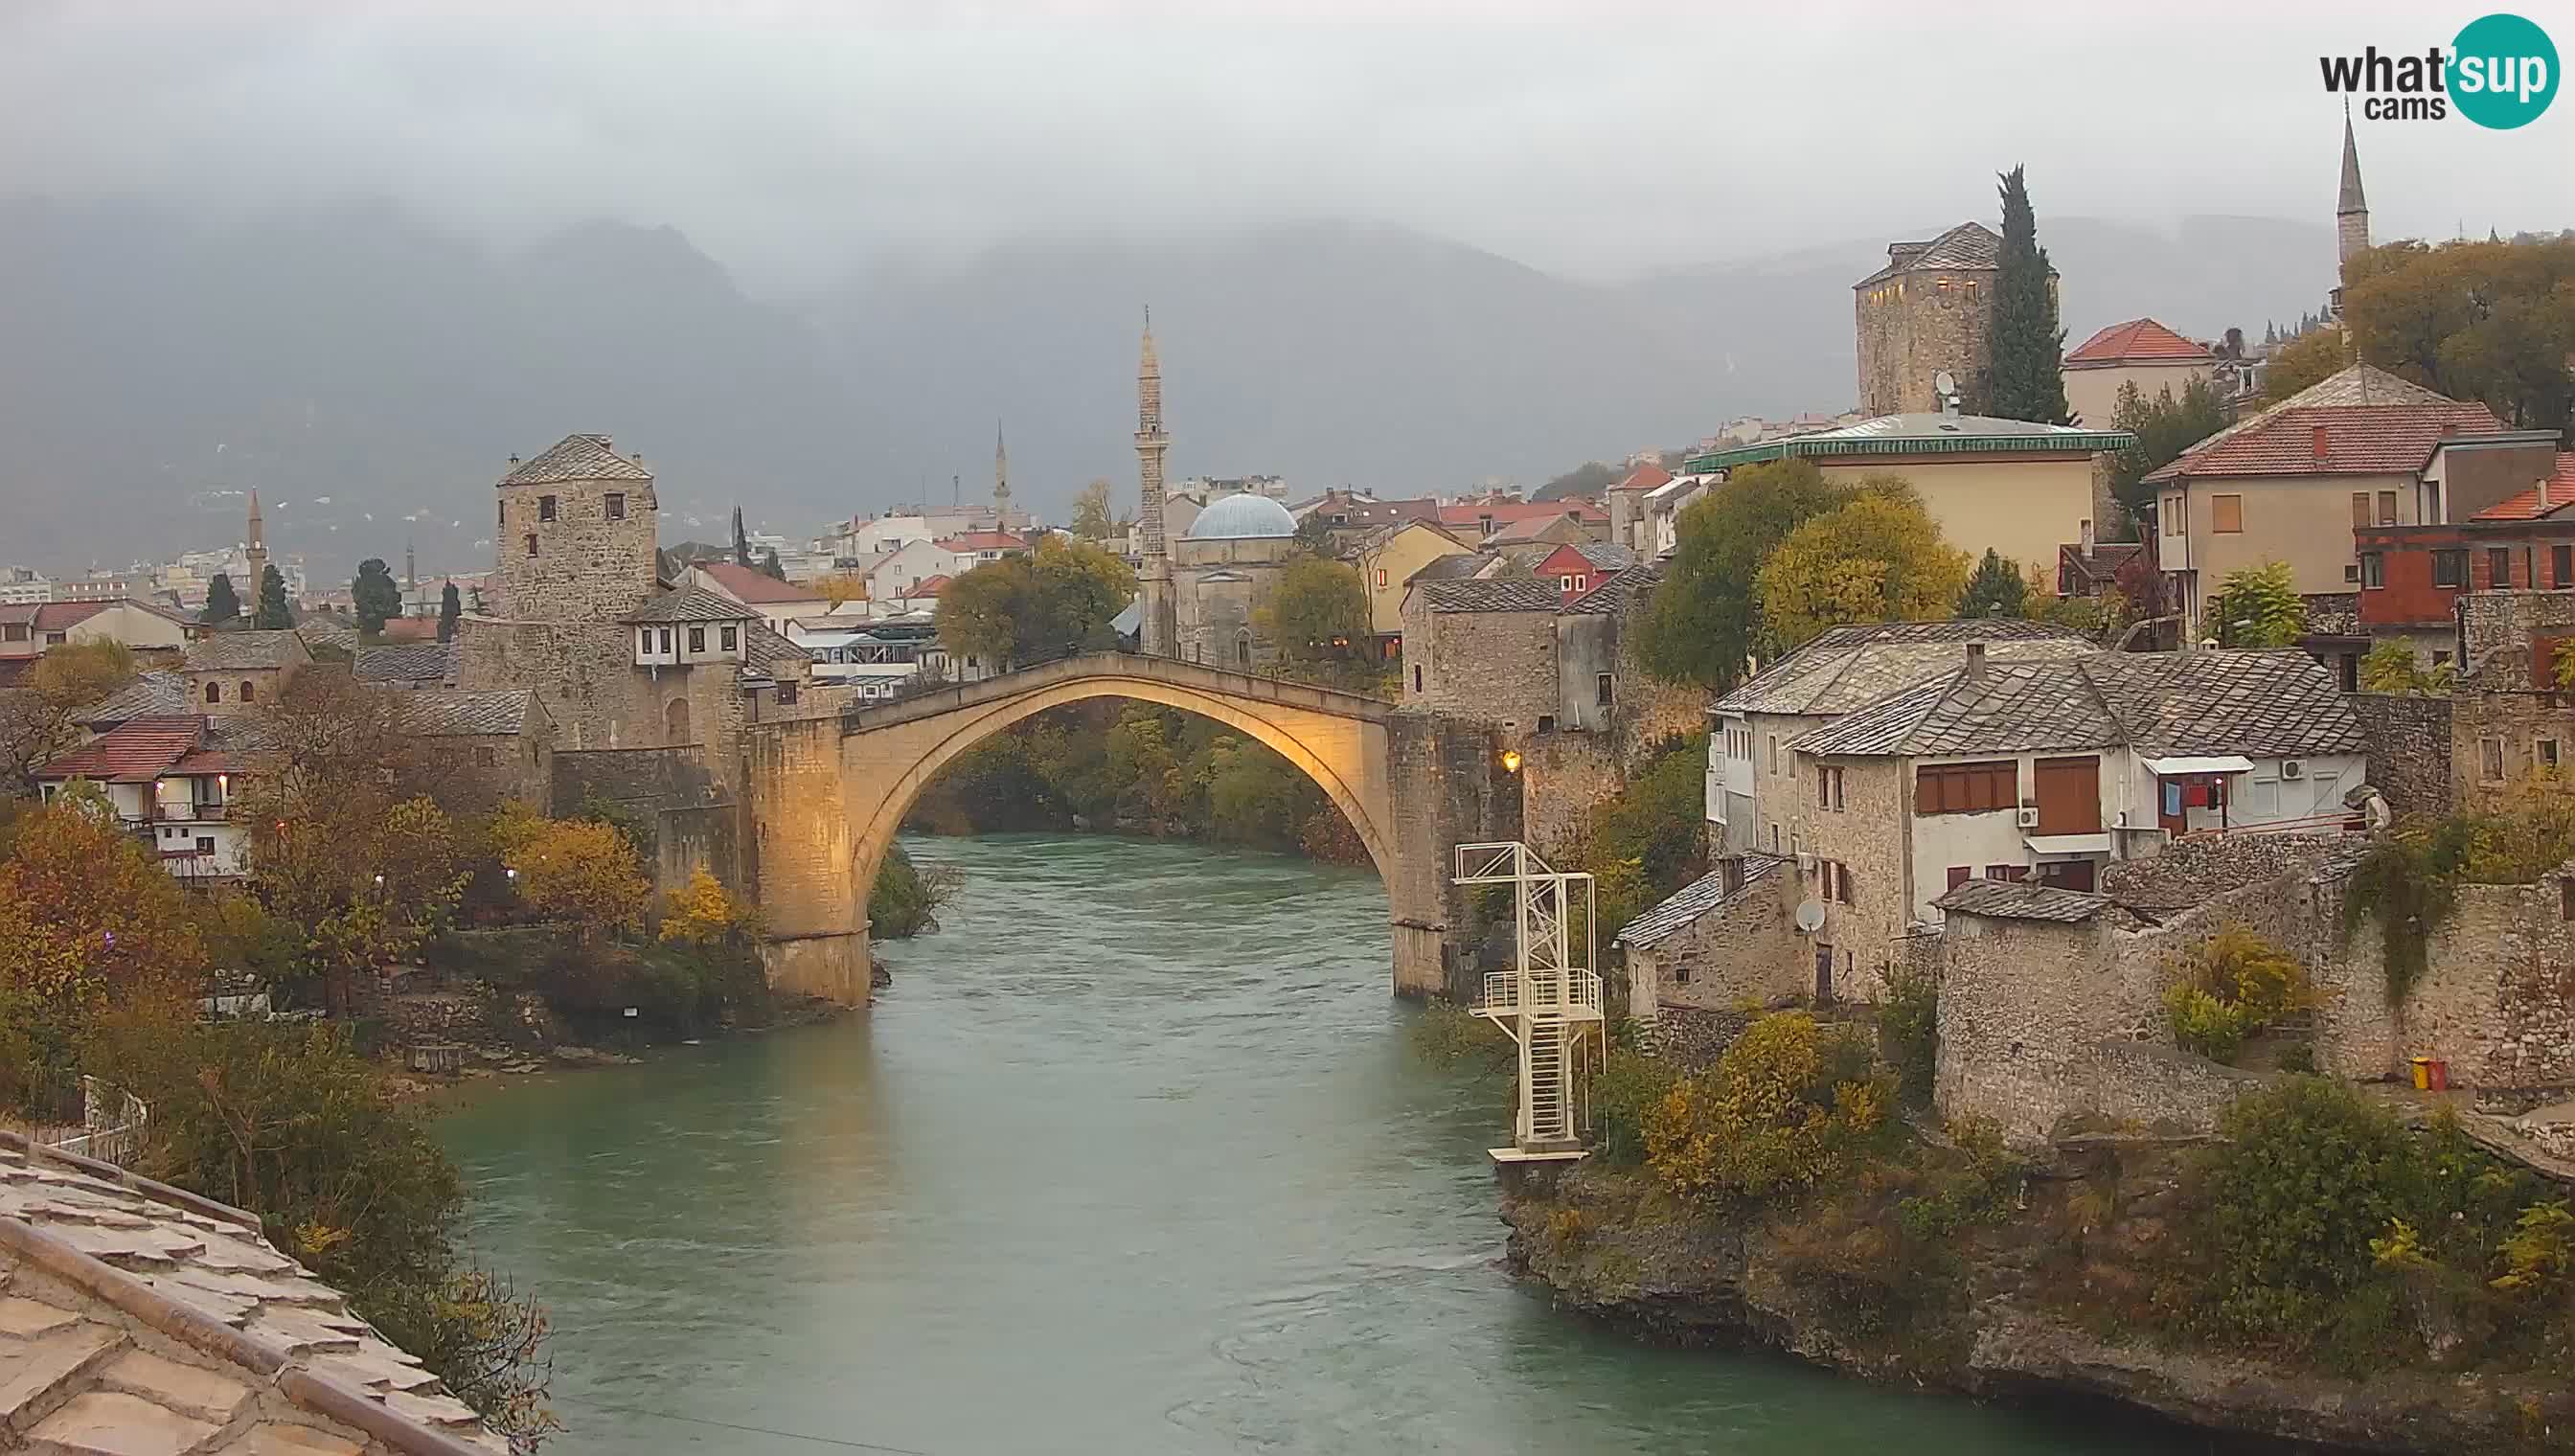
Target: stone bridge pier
824 797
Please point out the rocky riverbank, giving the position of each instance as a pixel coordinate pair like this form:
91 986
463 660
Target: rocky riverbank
2053 1299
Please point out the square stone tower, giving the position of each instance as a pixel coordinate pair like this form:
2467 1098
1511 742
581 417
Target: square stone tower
1927 310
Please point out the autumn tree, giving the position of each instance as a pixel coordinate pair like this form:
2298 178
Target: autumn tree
2165 427
222 604
377 597
2303 362
1702 625
2490 321
703 913
2025 349
841 587
2259 607
1877 559
272 615
578 871
36 719
1092 519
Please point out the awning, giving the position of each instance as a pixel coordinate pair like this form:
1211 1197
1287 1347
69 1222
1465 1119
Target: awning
2067 843
2213 764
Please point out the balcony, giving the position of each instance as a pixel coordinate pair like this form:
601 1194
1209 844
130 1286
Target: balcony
1571 994
189 814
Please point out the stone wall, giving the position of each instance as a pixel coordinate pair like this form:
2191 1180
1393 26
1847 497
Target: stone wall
1446 788
2498 737
2497 1001
1562 774
2022 1004
2161 1087
1871 834
1490 666
695 819
2409 750
2496 632
1907 337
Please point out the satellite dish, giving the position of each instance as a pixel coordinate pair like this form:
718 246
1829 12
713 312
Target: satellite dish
1946 382
1810 917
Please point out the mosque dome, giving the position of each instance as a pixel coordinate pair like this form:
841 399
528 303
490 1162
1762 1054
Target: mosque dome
1243 517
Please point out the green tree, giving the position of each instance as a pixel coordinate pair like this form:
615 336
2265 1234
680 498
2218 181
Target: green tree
377 597
2394 667
451 607
2303 362
1996 589
773 567
221 605
2165 427
1091 520
1587 479
1059 599
1314 534
2489 321
1320 613
2024 346
2259 607
272 614
1702 625
1878 558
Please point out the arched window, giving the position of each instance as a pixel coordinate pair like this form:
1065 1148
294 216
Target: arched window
214 692
675 722
249 690
1243 650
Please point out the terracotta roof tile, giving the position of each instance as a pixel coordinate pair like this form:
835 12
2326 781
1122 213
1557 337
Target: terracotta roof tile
2141 340
1643 478
2375 423
966 541
136 751
2528 506
745 585
1504 512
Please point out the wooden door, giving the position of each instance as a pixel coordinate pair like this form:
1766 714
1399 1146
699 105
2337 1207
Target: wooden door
2069 795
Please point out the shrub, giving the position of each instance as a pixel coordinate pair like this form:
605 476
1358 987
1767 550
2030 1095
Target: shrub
1980 1186
2232 986
2202 1024
2539 1252
1630 1085
1909 1023
1448 1034
1566 1228
1777 1113
703 913
907 899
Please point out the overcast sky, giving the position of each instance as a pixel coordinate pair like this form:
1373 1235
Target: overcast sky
794 142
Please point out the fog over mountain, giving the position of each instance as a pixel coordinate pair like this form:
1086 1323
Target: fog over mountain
370 371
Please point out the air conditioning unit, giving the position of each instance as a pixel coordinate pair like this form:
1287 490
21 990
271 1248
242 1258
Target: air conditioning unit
1805 864
2292 768
2030 818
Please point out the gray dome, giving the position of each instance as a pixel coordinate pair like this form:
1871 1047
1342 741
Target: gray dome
1243 517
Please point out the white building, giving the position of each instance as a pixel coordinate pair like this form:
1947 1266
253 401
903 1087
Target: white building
171 784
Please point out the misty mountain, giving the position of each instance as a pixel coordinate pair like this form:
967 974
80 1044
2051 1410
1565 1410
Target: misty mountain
357 363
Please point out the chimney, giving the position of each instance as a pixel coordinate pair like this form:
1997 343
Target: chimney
2322 450
2087 539
2449 427
2543 495
1975 659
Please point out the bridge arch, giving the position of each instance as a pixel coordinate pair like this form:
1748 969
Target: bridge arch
1319 750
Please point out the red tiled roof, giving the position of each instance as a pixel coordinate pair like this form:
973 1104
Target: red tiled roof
751 588
966 541
63 615
413 629
2527 506
931 585
1503 512
1644 478
206 760
2359 440
2139 341
136 751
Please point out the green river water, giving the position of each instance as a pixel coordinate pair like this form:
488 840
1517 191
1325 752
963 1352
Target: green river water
1134 1158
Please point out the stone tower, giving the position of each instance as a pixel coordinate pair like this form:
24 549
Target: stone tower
2351 208
1927 310
1159 630
577 534
255 558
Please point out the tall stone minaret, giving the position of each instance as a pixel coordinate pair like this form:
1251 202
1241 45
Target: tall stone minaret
1158 631
2351 208
1000 481
255 553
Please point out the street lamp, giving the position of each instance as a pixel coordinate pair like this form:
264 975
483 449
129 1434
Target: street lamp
1510 760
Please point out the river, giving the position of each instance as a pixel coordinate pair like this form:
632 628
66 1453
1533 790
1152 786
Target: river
1133 1158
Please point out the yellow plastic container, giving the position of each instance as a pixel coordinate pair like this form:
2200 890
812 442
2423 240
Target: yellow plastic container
2422 1073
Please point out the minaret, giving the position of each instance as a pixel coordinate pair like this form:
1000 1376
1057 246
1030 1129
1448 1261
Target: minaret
1000 481
1158 631
256 555
411 568
2351 208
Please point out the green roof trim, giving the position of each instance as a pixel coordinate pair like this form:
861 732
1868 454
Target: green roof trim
1837 443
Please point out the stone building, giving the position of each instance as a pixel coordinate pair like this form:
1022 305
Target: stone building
231 672
1484 648
1926 311
2508 718
1225 576
497 744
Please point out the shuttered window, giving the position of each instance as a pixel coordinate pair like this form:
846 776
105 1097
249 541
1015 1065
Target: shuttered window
1967 787
2226 514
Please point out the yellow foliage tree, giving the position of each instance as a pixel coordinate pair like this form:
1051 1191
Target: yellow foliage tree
841 587
1877 559
703 911
1777 1112
578 870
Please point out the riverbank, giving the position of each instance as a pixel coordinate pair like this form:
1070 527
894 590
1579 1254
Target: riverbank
2066 1287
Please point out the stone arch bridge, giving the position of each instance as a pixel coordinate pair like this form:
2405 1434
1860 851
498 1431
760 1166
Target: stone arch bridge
825 796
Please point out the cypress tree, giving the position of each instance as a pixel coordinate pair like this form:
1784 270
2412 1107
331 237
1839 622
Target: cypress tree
741 541
272 615
2025 351
773 567
1996 589
450 608
378 600
222 604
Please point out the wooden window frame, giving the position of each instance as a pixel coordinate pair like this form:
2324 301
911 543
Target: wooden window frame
2361 519
2223 510
2499 568
1988 786
2456 558
2387 508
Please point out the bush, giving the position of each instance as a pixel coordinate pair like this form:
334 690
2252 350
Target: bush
2202 1024
1981 1186
1779 1112
1909 1023
1623 1094
907 899
1446 1034
2234 985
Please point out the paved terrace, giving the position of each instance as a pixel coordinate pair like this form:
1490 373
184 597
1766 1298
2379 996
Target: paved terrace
138 1319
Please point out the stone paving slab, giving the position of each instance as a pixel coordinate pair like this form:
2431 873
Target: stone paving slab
38 1368
25 1319
201 1394
282 1440
111 1423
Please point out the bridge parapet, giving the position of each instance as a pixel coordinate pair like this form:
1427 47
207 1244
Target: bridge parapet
1195 676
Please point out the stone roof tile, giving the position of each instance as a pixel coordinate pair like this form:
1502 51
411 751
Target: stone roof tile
234 651
1694 900
1490 593
576 457
2006 899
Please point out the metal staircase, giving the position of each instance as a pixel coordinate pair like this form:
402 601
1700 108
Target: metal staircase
1550 1002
